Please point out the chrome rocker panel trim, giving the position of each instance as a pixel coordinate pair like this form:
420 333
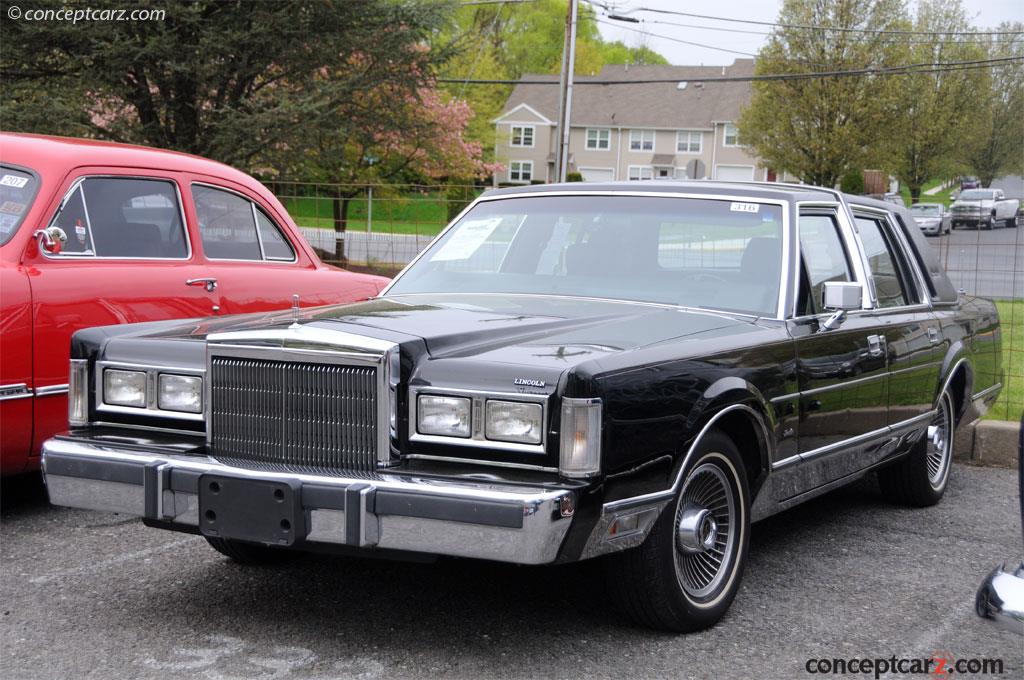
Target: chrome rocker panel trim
473 519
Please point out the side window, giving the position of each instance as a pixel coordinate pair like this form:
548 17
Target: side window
883 260
823 258
123 217
275 245
233 228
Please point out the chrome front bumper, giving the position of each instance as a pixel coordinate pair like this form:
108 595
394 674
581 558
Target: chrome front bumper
395 511
1001 598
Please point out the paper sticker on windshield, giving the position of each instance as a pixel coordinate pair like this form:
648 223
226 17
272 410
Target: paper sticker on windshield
13 181
12 207
466 239
744 207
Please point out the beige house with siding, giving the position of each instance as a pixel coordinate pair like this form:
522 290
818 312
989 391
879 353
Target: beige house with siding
680 129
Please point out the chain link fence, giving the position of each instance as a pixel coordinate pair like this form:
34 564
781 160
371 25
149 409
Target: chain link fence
381 228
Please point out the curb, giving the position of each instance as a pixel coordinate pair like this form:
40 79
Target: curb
992 443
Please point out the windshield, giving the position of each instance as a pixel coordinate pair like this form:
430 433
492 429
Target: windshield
716 254
930 210
976 194
17 189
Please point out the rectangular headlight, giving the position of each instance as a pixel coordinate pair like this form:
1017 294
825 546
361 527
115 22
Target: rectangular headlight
78 393
180 393
514 421
580 453
124 388
444 416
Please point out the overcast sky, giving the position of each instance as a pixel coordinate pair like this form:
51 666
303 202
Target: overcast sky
987 13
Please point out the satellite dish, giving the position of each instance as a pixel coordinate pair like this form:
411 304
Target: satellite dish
695 169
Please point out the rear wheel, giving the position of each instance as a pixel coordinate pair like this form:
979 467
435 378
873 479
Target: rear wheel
249 553
920 478
685 575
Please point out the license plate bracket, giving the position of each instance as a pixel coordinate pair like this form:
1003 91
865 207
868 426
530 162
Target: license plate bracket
257 510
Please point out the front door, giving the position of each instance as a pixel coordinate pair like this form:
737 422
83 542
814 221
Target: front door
842 373
127 258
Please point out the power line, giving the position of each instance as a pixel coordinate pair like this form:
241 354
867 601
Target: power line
804 26
1016 38
676 40
906 69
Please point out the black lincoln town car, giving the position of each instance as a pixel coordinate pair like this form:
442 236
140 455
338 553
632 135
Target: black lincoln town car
630 371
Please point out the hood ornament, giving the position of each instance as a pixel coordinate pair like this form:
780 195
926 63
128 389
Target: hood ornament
295 310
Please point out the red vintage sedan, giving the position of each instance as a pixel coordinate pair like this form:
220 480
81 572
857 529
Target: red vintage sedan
94 233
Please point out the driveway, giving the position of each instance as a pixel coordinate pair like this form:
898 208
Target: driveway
89 595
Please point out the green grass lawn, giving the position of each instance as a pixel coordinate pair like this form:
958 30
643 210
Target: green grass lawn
424 214
1011 400
945 196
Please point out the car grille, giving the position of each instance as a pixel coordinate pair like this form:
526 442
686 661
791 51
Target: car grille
310 416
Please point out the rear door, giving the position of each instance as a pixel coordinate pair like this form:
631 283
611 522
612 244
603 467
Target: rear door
842 373
128 258
258 263
912 332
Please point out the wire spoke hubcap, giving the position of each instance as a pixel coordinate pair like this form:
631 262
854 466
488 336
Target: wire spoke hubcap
939 444
705 530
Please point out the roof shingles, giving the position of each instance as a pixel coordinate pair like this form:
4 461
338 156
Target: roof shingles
653 105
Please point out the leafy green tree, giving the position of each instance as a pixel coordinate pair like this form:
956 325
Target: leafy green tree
995 144
817 128
227 79
938 111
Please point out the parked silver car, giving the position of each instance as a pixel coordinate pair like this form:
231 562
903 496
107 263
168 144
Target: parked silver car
1001 595
933 218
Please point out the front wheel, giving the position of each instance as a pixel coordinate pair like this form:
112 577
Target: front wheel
250 554
685 575
920 478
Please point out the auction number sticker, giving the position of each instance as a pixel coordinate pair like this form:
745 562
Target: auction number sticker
13 181
744 207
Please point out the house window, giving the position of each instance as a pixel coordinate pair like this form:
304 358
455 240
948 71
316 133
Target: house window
599 139
732 135
640 172
520 171
522 135
641 140
688 141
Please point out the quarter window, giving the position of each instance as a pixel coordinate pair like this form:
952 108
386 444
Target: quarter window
522 135
122 217
234 228
520 171
599 139
732 135
823 259
641 140
891 288
688 141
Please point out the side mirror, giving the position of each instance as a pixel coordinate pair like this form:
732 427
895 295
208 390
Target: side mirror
840 297
51 239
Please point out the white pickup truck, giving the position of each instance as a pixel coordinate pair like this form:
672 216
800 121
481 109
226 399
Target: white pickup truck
984 208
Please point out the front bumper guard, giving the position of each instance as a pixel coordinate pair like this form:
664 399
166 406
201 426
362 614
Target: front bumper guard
395 511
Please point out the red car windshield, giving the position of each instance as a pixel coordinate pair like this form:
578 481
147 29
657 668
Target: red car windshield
17 191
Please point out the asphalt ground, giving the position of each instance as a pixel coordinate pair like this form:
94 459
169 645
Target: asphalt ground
92 595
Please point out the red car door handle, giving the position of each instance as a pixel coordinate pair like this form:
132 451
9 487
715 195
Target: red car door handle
210 284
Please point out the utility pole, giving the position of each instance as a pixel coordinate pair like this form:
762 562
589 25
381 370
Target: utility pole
565 92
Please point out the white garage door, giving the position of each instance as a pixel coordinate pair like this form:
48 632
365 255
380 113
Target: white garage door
735 173
597 174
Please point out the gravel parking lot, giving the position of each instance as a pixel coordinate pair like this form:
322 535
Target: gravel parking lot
89 595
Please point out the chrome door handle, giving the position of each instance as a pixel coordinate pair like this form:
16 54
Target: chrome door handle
933 336
208 283
876 345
